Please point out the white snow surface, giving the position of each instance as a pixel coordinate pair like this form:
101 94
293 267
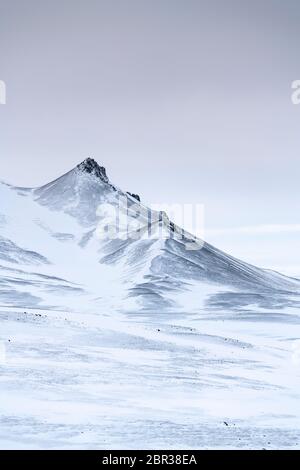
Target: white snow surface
136 343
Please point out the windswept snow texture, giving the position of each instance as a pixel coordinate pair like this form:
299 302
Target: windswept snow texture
136 342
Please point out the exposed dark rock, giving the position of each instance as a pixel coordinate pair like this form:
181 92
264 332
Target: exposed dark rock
136 196
91 166
172 226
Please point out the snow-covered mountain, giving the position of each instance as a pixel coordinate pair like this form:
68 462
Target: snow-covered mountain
116 341
51 254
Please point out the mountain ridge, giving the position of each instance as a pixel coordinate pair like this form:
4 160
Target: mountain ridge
65 222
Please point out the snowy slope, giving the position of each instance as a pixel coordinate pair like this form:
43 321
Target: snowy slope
54 231
136 342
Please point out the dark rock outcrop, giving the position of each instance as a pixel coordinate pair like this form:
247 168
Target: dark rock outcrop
136 196
91 166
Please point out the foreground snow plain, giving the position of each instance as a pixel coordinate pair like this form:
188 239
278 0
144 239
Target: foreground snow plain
101 347
74 380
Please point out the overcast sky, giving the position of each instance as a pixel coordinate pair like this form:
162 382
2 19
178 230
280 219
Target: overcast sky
182 101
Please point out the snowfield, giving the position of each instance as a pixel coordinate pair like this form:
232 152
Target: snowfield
136 342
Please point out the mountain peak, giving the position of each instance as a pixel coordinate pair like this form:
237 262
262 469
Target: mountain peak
89 165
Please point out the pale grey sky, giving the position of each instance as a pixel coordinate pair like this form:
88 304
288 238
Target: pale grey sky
182 101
